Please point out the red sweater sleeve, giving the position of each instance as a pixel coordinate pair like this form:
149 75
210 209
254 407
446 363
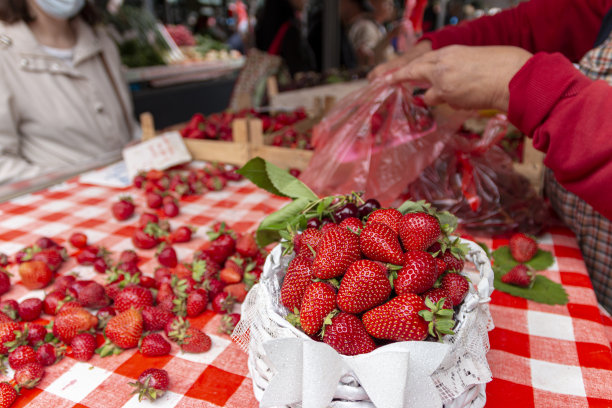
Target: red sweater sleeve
567 114
566 26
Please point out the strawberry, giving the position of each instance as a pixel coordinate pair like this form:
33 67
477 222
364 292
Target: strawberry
309 238
47 354
36 333
181 234
52 300
437 294
365 285
29 375
152 383
398 319
154 200
91 294
35 274
21 356
203 269
223 303
352 223
453 260
440 266
155 318
123 209
133 296
30 309
101 265
337 251
143 240
167 257
347 335
457 287
299 276
78 240
387 216
195 341
521 275
128 256
104 314
231 273
171 209
220 249
522 247
4 318
418 231
53 257
83 346
8 395
45 243
246 245
214 287
237 290
326 227
5 282
146 219
418 274
318 302
71 321
154 345
196 302
124 330
63 282
229 322
88 255
378 242
7 334
10 308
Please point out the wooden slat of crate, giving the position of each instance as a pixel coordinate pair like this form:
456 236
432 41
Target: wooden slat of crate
236 152
282 157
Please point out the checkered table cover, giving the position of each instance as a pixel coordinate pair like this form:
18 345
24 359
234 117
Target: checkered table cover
544 356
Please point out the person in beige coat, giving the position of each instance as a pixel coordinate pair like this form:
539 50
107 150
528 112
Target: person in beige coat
63 100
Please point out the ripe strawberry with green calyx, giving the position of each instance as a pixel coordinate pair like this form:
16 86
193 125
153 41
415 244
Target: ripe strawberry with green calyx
123 331
437 294
398 319
166 256
21 356
133 297
246 245
49 354
29 375
307 241
439 317
223 303
5 281
35 274
352 223
203 269
298 277
196 302
388 216
317 306
365 285
379 242
155 318
422 225
8 395
154 345
229 322
190 339
456 285
338 249
522 247
152 383
7 335
347 335
520 275
418 273
123 209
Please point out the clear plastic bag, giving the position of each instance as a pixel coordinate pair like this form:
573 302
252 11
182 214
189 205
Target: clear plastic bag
376 140
474 179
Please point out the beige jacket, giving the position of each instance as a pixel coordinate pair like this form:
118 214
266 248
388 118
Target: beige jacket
53 115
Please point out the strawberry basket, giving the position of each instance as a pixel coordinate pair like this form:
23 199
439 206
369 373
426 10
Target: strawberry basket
288 368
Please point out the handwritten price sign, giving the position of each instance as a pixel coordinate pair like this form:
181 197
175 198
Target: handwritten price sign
159 153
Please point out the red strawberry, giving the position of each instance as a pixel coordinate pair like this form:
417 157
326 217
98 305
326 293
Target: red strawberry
387 216
123 209
154 345
47 354
152 384
454 263
4 318
522 247
10 308
29 375
352 223
521 275
133 296
30 309
146 219
128 256
21 356
52 300
437 294
418 231
223 303
457 287
220 249
154 200
195 341
365 285
104 315
347 335
125 329
418 274
143 240
91 294
71 321
231 273
237 290
299 276
328 227
310 238
63 282
7 334
35 274
196 302
181 234
229 322
318 302
214 287
171 209
8 395
204 269
398 319
100 265
167 257
88 255
5 282
83 346
36 333
53 257
45 243
155 318
246 245
337 251
78 240
440 266
378 242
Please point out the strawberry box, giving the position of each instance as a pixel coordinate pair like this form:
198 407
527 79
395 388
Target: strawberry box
289 368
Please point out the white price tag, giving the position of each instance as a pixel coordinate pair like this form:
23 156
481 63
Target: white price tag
160 153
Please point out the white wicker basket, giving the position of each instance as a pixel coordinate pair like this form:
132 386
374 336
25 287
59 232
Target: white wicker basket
460 378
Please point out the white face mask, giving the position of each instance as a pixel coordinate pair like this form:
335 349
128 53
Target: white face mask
61 9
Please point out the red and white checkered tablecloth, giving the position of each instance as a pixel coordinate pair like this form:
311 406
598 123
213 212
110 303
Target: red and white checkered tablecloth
541 356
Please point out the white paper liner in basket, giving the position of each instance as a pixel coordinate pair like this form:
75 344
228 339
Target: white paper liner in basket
459 378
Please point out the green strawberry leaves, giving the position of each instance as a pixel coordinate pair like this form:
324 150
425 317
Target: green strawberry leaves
540 262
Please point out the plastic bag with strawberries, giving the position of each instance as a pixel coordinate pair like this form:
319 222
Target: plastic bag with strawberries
375 140
473 178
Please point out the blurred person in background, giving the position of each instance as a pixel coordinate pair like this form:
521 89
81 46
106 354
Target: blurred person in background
63 100
279 32
521 61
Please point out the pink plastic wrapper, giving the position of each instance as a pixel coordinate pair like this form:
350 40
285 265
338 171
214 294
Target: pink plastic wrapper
474 179
376 140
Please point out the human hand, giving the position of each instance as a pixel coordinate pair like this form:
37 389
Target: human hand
466 77
403 60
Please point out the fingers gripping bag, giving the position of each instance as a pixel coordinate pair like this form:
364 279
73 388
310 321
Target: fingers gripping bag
376 140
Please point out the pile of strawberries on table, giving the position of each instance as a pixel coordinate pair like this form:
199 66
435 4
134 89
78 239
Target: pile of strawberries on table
130 309
368 276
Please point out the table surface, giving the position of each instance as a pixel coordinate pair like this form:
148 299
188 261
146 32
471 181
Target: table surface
541 355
